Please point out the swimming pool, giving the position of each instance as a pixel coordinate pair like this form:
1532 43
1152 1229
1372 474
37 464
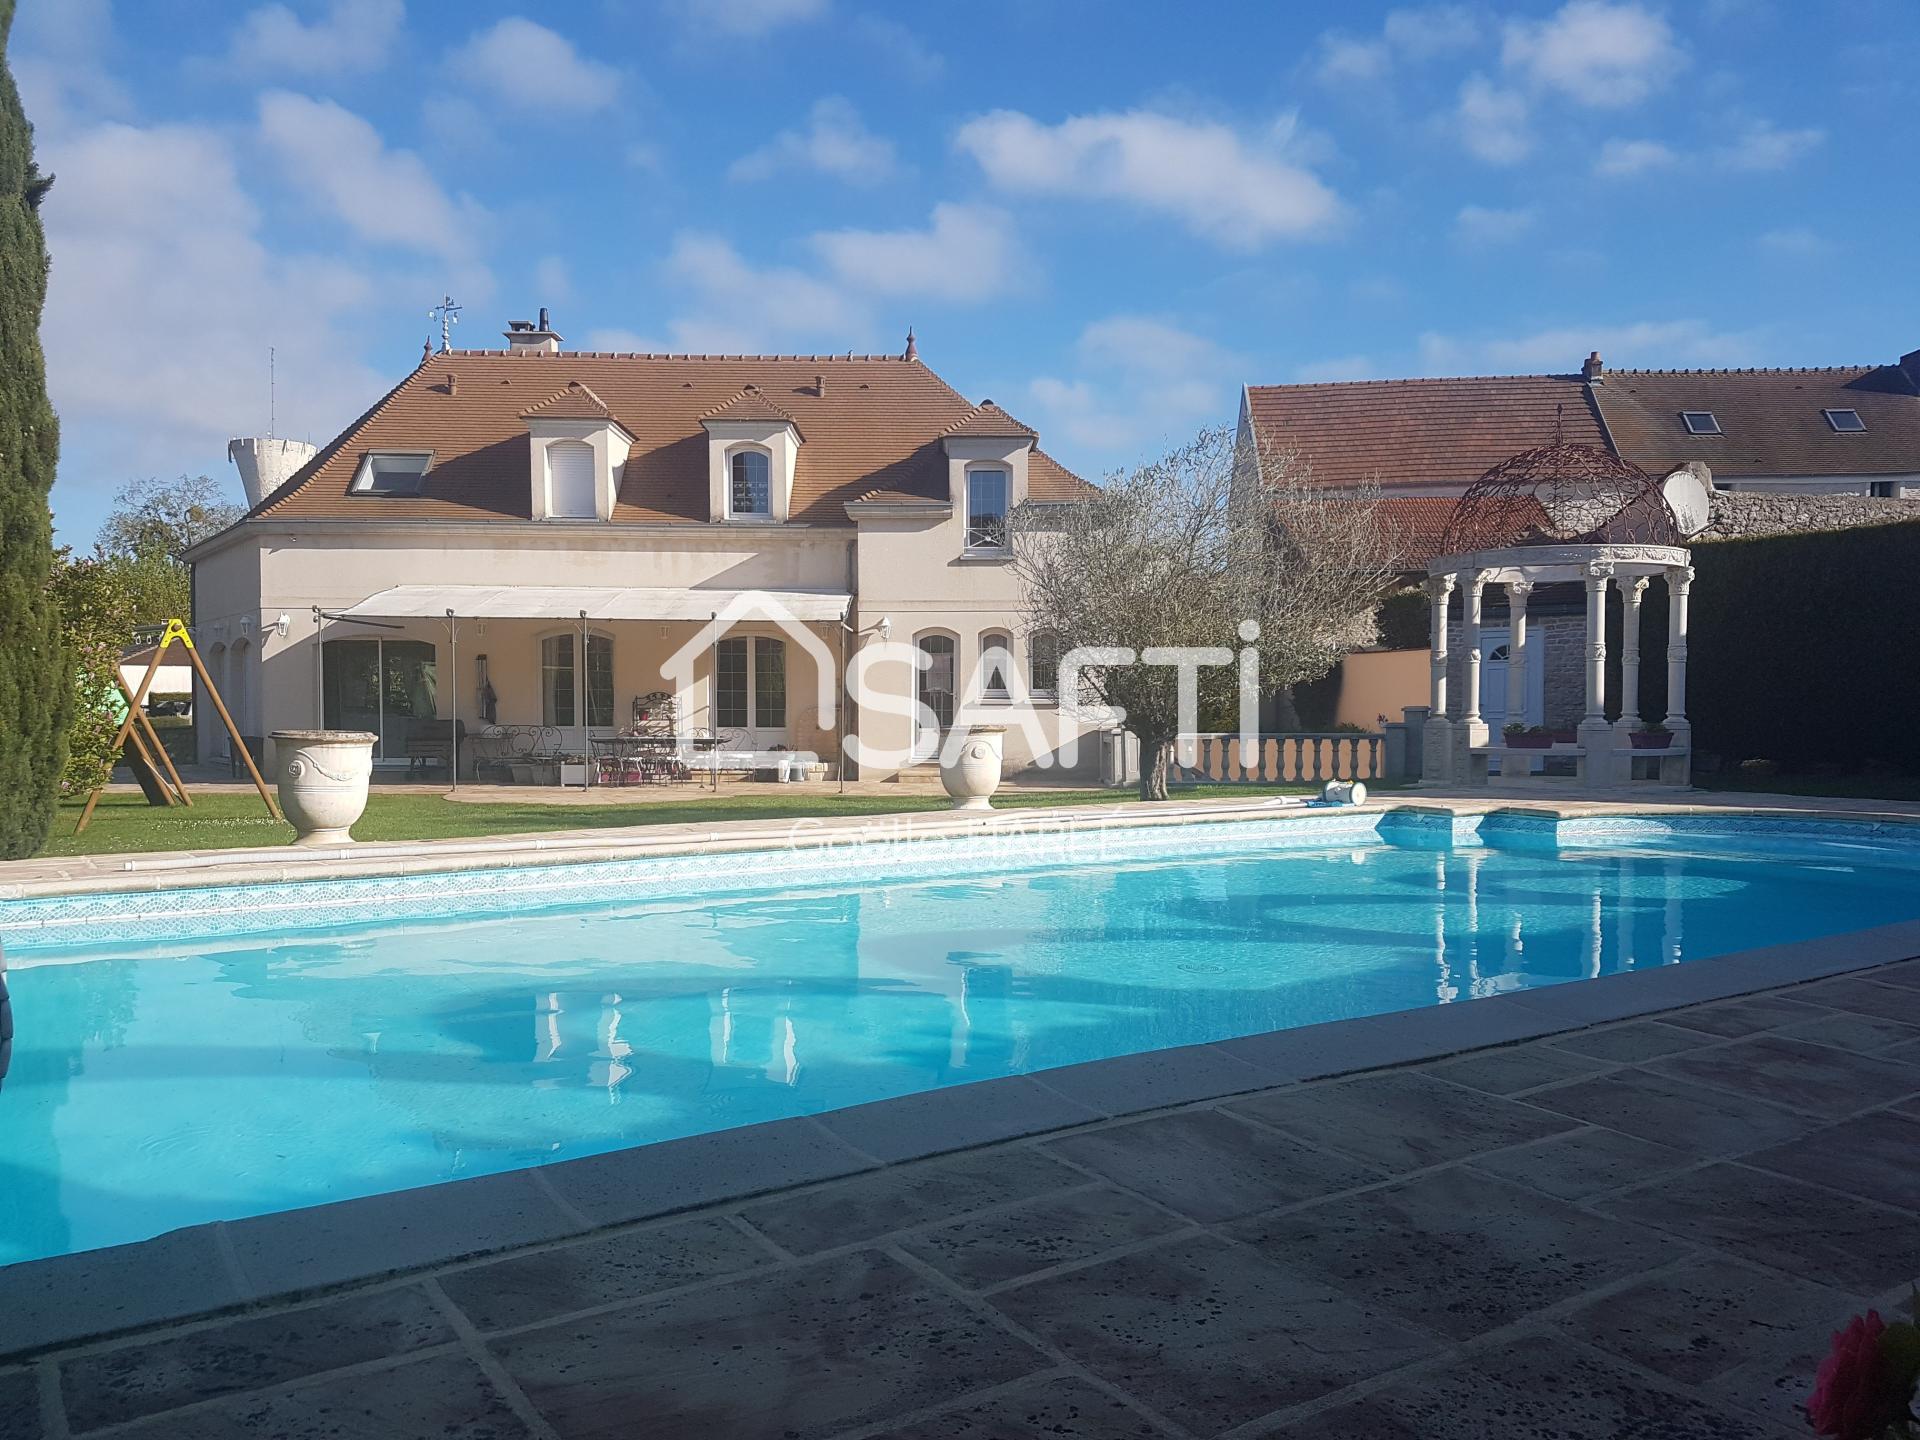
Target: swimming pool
257 1049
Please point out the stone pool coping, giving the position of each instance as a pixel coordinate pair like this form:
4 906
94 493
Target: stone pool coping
238 1264
187 869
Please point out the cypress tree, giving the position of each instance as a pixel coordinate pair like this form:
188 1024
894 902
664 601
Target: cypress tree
36 687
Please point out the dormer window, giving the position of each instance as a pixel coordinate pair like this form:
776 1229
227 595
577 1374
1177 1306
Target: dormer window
750 486
386 472
1700 422
988 491
1845 422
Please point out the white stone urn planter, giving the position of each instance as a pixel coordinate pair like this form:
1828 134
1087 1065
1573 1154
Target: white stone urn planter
970 771
323 781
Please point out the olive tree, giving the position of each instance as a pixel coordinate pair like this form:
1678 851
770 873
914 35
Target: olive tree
1192 552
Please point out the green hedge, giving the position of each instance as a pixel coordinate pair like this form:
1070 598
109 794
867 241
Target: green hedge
1803 649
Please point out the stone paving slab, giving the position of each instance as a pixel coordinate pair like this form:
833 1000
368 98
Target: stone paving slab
1528 1241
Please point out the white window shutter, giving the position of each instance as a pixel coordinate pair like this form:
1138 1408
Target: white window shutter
570 480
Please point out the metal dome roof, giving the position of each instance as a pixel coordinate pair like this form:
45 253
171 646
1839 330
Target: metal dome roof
1561 494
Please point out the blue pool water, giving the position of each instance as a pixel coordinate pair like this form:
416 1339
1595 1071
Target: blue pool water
165 1081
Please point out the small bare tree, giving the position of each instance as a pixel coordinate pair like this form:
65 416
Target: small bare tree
1180 553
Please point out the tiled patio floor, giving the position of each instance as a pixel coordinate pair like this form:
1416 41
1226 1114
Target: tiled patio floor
1644 1230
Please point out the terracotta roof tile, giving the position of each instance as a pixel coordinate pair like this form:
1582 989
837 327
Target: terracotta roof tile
988 421
750 404
1411 525
876 424
576 402
1770 420
1404 434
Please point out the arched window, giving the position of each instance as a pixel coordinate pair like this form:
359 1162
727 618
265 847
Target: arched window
1043 662
751 490
988 493
996 664
570 484
560 686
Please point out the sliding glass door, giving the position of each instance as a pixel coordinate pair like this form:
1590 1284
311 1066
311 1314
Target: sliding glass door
378 685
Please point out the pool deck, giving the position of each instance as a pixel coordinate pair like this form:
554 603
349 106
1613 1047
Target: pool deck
1626 1207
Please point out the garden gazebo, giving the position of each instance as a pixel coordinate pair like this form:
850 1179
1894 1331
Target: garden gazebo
1559 515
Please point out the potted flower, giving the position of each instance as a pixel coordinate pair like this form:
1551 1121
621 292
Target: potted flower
1865 1388
573 770
1526 737
1654 736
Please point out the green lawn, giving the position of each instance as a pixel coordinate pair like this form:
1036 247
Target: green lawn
125 822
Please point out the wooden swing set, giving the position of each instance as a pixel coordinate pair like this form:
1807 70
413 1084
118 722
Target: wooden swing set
138 730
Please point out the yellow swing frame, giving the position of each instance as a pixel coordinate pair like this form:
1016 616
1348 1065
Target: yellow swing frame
146 740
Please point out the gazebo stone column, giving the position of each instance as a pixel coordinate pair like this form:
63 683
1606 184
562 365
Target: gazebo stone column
1632 592
1679 585
1437 735
1471 729
1596 735
1519 649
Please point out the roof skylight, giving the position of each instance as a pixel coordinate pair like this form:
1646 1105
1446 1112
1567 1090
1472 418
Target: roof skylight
1847 422
386 472
1700 422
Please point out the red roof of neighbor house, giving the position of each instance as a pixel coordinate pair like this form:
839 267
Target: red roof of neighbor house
1405 434
1411 526
1771 421
875 424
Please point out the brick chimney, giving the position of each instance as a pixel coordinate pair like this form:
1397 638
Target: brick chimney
1594 372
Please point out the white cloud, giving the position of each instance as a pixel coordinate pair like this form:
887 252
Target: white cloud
1492 123
552 280
1238 193
59 56
908 57
740 307
967 253
1479 226
354 35
1653 344
1798 242
1409 35
1595 52
834 143
1348 60
535 69
385 196
1762 146
1621 158
1145 382
748 19
157 333
1424 33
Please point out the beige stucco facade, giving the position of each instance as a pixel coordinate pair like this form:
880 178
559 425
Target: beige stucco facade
906 566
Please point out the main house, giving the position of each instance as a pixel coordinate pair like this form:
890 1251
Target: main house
534 540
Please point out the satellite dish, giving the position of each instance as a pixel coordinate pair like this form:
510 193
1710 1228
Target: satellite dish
1689 495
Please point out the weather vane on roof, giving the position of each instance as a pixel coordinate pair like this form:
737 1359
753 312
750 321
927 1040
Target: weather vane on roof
448 314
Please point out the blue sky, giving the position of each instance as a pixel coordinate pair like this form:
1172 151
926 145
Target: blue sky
1106 217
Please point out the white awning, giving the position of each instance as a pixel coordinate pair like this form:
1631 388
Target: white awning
566 602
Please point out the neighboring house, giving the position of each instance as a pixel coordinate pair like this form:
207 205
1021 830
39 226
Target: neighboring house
516 489
173 679
1842 430
1786 449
